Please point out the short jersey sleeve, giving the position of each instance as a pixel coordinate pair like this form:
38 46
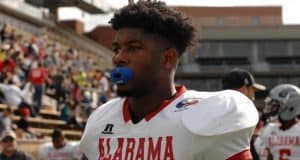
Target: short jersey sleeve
229 146
229 111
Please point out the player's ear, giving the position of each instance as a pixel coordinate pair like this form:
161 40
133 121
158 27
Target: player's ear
169 58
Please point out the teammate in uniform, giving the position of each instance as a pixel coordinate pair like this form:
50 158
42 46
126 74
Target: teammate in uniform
154 119
278 96
282 140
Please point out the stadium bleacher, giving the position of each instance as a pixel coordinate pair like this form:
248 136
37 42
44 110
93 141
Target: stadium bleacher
72 61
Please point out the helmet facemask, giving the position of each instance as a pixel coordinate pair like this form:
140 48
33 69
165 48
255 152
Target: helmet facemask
277 97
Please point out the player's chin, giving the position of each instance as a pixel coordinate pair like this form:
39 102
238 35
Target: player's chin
123 91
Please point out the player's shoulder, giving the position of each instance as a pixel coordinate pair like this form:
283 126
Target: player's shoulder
272 125
199 94
270 128
108 107
110 104
219 113
297 126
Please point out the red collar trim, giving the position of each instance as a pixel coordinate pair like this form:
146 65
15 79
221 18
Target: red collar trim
126 114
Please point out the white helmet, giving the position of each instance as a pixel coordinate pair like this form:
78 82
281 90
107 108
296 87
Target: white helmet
278 96
290 109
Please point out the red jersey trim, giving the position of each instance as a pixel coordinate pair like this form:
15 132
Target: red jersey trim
244 155
126 114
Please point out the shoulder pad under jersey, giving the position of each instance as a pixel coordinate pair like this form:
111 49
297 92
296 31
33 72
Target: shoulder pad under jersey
225 112
106 107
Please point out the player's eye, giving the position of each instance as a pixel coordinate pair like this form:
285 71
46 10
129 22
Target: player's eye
133 48
116 50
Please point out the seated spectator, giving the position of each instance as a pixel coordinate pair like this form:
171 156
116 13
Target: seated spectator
22 135
5 120
23 123
65 111
75 119
8 65
10 149
14 96
12 93
4 33
86 103
60 148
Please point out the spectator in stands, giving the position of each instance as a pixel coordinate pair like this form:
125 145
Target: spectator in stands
75 118
33 49
102 85
23 123
86 103
12 93
15 78
41 40
242 81
65 110
5 120
80 77
60 148
76 92
3 51
10 149
38 77
12 36
58 92
7 65
4 33
14 96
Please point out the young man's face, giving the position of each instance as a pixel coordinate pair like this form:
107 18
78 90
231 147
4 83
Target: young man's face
58 142
248 91
251 93
140 52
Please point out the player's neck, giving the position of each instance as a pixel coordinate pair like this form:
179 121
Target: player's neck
140 107
288 125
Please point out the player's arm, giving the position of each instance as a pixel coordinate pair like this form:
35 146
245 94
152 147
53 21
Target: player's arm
270 156
42 153
261 145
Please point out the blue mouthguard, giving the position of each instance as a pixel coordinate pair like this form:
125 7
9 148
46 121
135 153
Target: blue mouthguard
121 75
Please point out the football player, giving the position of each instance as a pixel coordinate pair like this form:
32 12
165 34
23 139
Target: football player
153 119
282 140
278 96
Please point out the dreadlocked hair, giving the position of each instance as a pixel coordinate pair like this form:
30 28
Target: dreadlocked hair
156 18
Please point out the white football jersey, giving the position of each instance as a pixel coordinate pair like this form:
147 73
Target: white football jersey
282 144
190 126
69 152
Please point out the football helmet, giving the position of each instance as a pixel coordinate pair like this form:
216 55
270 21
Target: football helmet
290 109
278 96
